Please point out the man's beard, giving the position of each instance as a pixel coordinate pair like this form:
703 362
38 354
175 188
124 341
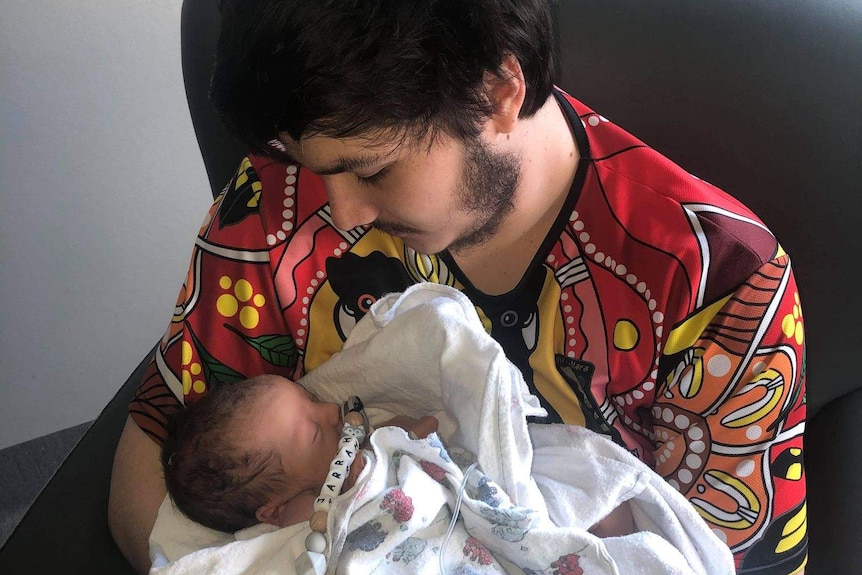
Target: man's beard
487 191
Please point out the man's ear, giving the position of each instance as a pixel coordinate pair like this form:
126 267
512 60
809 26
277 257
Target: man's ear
506 90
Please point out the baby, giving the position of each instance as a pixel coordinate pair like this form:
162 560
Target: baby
257 451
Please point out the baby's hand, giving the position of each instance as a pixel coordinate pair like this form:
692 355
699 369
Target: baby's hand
421 428
355 469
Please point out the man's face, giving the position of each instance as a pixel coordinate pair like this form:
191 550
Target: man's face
446 195
303 430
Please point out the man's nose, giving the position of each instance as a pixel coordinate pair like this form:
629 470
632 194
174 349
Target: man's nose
348 202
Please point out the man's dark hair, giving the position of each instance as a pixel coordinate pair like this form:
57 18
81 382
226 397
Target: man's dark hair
368 67
209 477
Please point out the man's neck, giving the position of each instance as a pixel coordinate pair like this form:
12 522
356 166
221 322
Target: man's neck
549 160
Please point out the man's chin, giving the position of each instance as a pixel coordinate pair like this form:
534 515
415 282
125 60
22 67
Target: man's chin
428 246
419 247
468 242
421 244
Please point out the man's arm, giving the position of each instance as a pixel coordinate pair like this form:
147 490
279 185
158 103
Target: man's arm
137 491
211 334
730 417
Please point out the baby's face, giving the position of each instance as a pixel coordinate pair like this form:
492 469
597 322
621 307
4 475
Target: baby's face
304 430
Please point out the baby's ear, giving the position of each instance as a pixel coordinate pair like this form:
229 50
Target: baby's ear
293 511
272 513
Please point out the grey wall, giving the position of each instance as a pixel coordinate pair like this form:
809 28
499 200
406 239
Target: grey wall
101 191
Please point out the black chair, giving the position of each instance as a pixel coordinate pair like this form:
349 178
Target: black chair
760 98
763 100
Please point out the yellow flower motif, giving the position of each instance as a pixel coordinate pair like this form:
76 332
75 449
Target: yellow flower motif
791 325
228 304
190 369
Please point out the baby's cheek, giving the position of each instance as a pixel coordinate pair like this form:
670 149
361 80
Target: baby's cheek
297 510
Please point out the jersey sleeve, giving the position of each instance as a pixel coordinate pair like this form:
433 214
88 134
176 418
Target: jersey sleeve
729 419
227 324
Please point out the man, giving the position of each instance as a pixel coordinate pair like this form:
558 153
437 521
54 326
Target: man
402 141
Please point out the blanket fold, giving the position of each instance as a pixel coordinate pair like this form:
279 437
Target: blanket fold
526 507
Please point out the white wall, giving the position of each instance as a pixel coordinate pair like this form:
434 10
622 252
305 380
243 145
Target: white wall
101 191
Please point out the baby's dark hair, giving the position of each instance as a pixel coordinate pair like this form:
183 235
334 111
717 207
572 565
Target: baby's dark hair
210 477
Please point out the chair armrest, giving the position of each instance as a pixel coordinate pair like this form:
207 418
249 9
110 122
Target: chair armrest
833 467
65 530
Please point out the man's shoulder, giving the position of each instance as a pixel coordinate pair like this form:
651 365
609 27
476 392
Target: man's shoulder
264 203
649 192
640 208
287 187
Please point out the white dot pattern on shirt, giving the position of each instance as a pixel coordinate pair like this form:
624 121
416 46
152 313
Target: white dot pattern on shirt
590 249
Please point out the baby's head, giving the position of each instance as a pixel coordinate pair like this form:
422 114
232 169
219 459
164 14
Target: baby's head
238 455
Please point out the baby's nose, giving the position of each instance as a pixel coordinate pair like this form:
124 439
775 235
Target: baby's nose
332 412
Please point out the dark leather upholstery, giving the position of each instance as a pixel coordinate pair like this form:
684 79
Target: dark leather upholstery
760 98
221 151
763 99
66 529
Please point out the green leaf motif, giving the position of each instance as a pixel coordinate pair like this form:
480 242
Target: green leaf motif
277 349
215 372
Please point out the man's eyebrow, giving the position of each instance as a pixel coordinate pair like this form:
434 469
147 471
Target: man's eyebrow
351 164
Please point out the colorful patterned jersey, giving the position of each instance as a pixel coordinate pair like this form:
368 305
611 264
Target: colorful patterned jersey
659 311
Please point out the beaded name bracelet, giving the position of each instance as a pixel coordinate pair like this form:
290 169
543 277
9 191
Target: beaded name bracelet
354 432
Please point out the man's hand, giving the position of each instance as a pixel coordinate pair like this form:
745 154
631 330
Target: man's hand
137 491
618 523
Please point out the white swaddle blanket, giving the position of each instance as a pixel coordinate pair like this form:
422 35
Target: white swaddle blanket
527 508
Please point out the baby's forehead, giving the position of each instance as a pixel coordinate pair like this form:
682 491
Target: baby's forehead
268 380
268 387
